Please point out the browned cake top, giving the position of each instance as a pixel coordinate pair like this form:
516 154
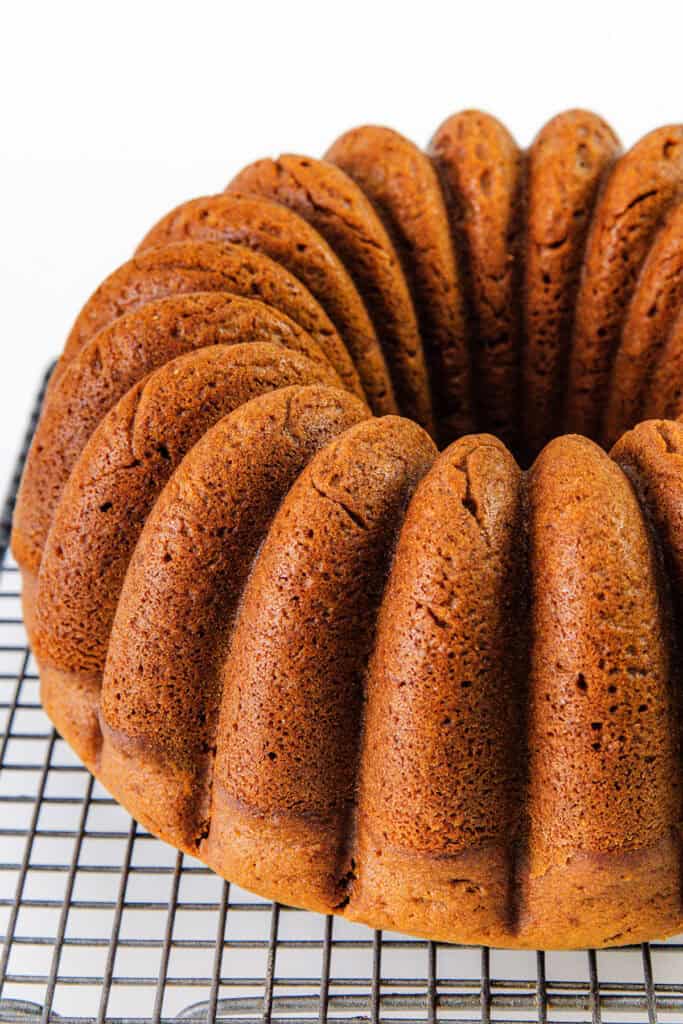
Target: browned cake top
268 227
482 172
120 474
402 185
568 161
115 359
195 267
656 302
326 197
643 183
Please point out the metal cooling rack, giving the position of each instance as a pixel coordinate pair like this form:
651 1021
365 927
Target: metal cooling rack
100 922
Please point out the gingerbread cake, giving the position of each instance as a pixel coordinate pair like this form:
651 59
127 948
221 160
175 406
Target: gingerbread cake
351 534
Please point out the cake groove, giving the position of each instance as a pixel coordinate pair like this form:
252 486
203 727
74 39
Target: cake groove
115 359
624 222
282 235
407 196
195 267
482 174
114 486
664 394
295 670
326 197
568 161
656 300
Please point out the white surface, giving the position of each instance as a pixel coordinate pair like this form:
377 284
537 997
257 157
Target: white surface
111 114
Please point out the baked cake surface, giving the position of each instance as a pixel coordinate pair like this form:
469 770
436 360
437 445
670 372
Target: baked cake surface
318 587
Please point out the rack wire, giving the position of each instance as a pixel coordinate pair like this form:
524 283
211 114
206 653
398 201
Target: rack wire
101 922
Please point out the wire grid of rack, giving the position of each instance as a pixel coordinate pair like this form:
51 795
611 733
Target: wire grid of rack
99 921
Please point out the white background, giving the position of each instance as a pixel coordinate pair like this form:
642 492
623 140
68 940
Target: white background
113 113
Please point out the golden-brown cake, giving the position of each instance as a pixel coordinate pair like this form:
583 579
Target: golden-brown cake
482 171
567 163
336 207
267 227
407 195
434 691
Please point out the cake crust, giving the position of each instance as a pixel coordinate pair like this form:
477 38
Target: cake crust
664 393
276 231
294 679
568 162
111 492
440 779
401 183
114 360
642 185
196 267
656 302
482 171
176 612
326 197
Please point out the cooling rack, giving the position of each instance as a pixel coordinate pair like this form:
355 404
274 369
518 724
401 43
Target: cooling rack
100 922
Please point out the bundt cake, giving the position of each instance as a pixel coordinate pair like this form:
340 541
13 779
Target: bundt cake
350 563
